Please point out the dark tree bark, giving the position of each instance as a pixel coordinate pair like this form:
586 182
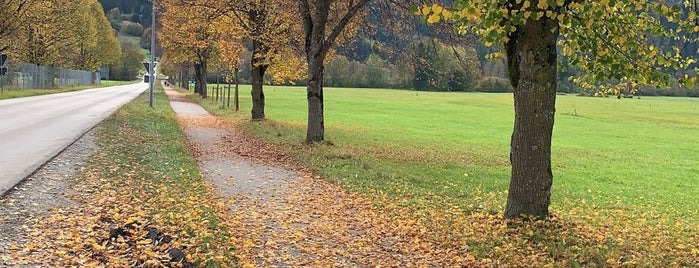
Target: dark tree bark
258 95
531 56
184 77
236 100
317 45
314 95
200 78
314 27
197 75
187 70
260 50
259 67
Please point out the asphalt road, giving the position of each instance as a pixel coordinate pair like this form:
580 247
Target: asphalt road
35 129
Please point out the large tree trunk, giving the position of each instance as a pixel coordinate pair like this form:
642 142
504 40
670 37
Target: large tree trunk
258 95
236 100
314 94
260 49
204 89
197 74
200 78
531 55
314 22
184 77
258 75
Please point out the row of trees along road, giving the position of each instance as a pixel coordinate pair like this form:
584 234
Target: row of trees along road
71 34
606 39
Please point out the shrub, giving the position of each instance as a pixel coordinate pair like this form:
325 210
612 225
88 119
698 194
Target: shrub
494 84
131 28
145 39
129 65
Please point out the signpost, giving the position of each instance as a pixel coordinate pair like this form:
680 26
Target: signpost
3 70
150 78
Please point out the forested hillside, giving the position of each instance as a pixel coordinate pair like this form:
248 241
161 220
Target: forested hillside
139 10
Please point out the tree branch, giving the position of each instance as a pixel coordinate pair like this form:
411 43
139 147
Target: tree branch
353 10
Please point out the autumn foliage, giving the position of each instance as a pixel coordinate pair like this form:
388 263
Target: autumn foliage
71 34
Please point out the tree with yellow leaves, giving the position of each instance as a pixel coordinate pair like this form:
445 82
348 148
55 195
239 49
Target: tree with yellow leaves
269 27
97 44
607 39
71 34
13 13
189 35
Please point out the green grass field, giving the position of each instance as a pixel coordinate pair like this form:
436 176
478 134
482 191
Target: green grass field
630 154
626 172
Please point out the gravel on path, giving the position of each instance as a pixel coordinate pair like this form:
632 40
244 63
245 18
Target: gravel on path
284 216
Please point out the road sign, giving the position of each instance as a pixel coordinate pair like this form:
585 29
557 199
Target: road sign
3 58
147 65
3 71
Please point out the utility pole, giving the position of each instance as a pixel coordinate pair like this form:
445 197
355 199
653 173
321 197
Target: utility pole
152 56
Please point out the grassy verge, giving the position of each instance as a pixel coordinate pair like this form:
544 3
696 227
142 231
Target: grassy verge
148 144
625 171
143 201
19 93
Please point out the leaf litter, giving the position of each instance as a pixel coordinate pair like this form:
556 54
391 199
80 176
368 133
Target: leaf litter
318 224
289 217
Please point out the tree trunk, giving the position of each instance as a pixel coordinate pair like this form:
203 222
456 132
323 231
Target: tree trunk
236 100
184 77
187 69
260 49
197 74
531 56
200 79
258 96
204 89
315 20
314 91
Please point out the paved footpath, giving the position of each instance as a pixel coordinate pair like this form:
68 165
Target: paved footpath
283 216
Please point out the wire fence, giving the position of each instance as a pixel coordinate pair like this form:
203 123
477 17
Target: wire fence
31 76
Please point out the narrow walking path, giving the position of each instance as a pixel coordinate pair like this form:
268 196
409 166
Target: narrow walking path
283 216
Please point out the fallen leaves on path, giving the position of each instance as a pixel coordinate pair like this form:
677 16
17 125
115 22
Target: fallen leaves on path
132 214
140 203
307 222
312 223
